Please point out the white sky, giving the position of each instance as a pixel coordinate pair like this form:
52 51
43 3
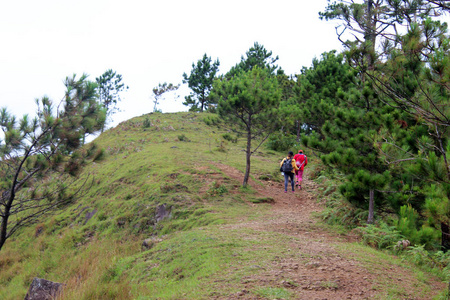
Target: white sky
148 42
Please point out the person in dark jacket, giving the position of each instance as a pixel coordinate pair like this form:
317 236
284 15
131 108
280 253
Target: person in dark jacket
288 170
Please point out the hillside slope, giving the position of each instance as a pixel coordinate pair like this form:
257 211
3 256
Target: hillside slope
177 185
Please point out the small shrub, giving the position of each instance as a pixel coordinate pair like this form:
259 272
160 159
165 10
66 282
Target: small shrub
102 216
222 146
384 236
147 123
421 257
211 120
407 225
183 138
229 137
281 141
217 189
266 177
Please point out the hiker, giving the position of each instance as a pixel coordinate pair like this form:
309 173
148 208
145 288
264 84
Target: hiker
288 166
301 161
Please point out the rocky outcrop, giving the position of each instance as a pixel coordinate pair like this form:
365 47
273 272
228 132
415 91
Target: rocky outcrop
41 289
162 212
150 242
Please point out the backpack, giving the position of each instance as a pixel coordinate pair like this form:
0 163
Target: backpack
287 165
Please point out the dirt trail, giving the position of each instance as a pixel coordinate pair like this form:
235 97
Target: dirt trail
322 272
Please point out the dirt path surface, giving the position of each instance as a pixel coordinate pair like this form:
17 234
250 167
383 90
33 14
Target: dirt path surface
317 269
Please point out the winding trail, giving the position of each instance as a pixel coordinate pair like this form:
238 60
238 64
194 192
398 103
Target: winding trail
324 271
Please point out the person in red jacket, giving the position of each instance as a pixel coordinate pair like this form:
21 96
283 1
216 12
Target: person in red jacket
301 160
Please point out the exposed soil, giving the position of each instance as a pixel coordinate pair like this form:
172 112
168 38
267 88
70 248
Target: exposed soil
317 269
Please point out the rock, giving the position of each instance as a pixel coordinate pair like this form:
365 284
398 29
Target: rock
402 245
150 243
162 212
89 215
41 289
39 230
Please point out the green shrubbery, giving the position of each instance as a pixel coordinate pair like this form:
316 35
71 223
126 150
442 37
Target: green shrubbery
389 228
281 142
229 137
381 236
407 224
212 120
217 189
183 138
146 123
436 262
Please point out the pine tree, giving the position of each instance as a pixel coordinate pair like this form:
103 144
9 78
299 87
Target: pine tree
415 78
160 90
403 54
38 156
200 81
256 56
110 86
248 100
343 114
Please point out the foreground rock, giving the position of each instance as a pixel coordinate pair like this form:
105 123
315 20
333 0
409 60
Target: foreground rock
41 289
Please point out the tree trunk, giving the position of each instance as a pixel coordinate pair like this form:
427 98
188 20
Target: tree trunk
202 101
7 212
445 243
3 231
371 207
298 131
369 34
249 153
4 226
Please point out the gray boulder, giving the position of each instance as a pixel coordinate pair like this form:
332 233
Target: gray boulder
162 212
41 289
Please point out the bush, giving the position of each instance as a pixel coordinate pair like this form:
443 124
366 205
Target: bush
281 141
217 189
229 137
384 236
222 146
183 138
146 123
407 225
211 120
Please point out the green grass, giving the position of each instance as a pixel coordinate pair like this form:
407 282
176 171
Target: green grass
261 200
204 249
169 162
376 262
274 293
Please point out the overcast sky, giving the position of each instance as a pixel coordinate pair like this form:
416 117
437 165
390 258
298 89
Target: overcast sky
148 42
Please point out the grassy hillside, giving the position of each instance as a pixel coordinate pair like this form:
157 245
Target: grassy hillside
217 241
